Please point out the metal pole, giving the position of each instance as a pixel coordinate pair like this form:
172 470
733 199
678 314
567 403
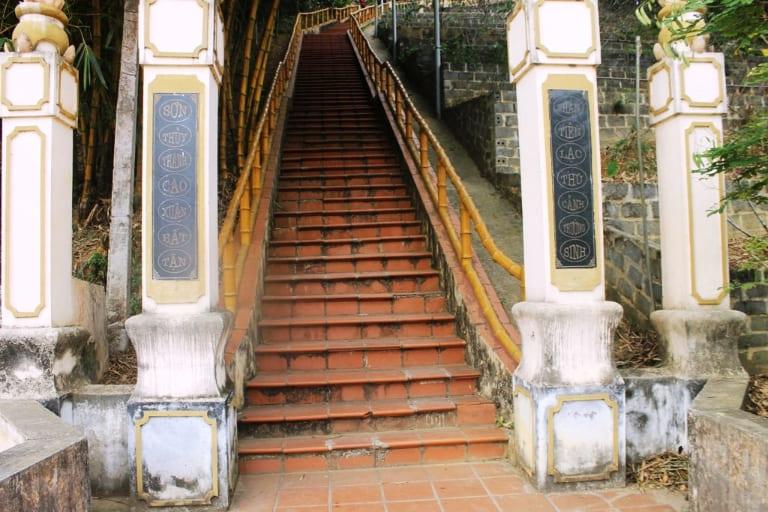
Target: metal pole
641 172
376 21
438 74
394 31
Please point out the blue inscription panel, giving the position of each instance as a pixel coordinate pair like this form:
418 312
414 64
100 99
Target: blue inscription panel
572 179
174 187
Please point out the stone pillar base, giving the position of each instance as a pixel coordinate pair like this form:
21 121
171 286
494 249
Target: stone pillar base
697 344
183 452
46 363
568 396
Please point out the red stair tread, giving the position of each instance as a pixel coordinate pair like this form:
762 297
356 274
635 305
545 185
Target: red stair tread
340 276
339 377
366 344
355 319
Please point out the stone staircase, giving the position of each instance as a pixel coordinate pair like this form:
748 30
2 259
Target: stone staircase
358 364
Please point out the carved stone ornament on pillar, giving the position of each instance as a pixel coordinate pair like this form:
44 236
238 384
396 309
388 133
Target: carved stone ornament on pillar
568 396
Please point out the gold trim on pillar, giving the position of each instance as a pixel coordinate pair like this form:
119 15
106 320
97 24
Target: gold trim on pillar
553 410
720 83
574 279
555 55
523 391
520 6
66 68
194 54
652 72
175 292
46 82
718 299
214 492
7 223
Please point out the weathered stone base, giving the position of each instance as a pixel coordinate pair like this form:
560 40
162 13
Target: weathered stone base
183 452
729 450
657 410
569 399
700 344
46 363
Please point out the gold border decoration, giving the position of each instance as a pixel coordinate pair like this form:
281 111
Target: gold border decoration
720 83
555 55
214 492
717 300
162 291
218 20
652 72
46 82
72 71
7 223
553 410
573 279
526 393
194 54
519 6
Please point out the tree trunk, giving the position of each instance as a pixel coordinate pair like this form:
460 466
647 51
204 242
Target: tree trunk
121 221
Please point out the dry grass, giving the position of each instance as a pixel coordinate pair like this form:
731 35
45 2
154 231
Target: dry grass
757 396
635 349
666 471
121 368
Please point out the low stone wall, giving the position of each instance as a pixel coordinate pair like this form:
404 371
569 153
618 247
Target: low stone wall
729 450
49 469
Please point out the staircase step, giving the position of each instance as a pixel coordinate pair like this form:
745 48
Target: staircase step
316 386
343 169
344 203
352 354
305 193
344 246
346 230
314 179
376 449
343 155
260 421
289 219
406 281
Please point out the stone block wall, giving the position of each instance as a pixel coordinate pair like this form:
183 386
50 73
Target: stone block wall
753 346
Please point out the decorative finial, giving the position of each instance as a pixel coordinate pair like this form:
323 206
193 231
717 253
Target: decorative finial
41 27
690 23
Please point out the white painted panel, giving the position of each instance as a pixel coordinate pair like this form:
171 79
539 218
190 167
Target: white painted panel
565 27
517 45
176 26
660 89
584 437
524 429
24 83
702 82
68 92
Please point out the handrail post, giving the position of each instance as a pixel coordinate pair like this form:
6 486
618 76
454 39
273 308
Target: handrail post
408 125
466 235
228 276
423 149
245 214
442 190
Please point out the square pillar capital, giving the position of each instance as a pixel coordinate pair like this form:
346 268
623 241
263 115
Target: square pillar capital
556 32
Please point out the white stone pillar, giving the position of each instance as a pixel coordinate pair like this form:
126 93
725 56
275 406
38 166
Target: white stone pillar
687 103
42 352
183 420
568 396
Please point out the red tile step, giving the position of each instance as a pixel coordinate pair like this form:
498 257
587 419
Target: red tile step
313 179
364 416
348 263
305 192
345 327
315 386
275 306
346 230
357 354
406 281
288 219
368 450
344 203
369 245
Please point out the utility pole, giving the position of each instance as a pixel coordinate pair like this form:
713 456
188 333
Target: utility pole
438 74
394 30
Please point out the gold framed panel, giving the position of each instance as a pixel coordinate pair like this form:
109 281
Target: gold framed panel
8 222
652 72
162 291
520 390
700 299
145 418
194 54
553 410
563 55
720 83
66 68
519 7
46 82
573 279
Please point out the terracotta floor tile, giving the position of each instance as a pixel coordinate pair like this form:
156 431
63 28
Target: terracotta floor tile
459 488
652 508
499 485
484 469
303 496
413 506
303 509
360 476
403 474
578 502
633 500
305 480
362 507
450 471
408 491
470 505
524 502
342 495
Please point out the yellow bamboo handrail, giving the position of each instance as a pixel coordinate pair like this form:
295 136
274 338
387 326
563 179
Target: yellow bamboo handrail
435 179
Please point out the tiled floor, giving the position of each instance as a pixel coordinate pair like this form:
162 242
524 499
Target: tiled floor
480 487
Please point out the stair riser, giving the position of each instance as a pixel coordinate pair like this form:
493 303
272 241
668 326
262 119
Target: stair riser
323 153
369 391
344 233
330 205
342 172
360 359
377 265
383 457
340 249
353 286
356 181
288 220
357 331
370 162
283 196
354 306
